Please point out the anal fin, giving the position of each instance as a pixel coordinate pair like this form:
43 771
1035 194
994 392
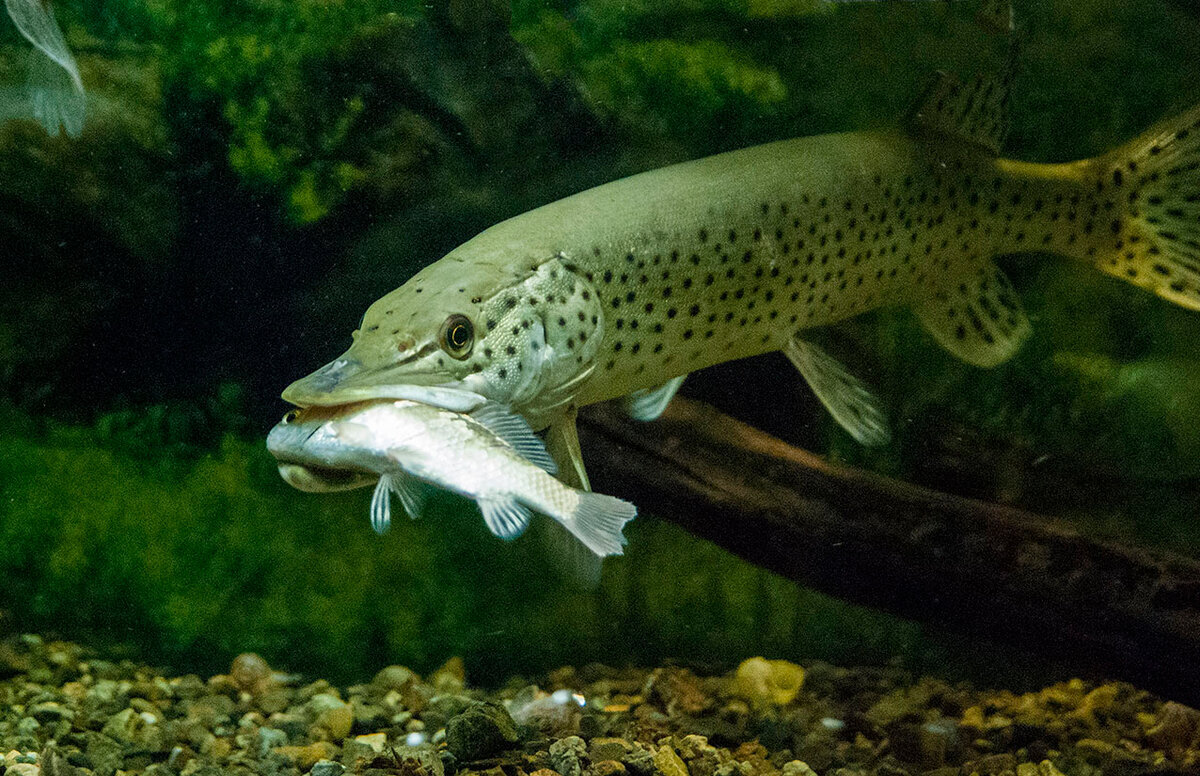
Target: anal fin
977 316
649 404
851 403
504 517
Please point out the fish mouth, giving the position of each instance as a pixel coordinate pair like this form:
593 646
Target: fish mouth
319 479
346 381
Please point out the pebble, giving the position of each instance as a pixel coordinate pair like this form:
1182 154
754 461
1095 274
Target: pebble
307 756
565 755
268 739
768 682
482 730
327 768
797 768
333 715
667 763
250 673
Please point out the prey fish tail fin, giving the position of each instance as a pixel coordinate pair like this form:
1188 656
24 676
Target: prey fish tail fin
1150 236
598 521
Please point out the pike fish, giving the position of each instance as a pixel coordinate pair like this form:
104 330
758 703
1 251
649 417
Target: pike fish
623 289
490 456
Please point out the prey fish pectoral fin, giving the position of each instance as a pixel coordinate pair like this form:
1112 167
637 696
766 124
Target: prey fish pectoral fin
851 403
406 488
504 517
650 403
513 429
977 316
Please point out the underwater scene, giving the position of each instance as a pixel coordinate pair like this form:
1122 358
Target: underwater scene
344 421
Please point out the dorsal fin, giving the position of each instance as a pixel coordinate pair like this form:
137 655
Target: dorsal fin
976 112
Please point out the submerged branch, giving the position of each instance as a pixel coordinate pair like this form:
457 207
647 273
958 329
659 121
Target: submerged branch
979 568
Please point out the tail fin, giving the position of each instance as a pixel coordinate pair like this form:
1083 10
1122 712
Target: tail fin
598 521
1153 185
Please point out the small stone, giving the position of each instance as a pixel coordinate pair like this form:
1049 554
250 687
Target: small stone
377 741
797 768
307 756
679 691
104 752
50 712
327 768
333 715
608 768
451 677
23 769
1046 768
1175 729
139 731
250 673
421 761
270 738
565 754
667 763
54 763
768 682
394 678
996 764
692 746
609 749
482 730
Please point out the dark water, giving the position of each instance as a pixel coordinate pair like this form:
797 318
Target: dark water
252 175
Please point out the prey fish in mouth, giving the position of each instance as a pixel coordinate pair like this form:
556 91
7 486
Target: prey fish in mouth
489 455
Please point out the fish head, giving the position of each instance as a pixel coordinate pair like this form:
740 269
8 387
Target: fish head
313 455
460 333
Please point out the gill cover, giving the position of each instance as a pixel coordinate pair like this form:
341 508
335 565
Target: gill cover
460 333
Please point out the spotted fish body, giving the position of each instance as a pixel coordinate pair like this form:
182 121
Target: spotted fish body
626 287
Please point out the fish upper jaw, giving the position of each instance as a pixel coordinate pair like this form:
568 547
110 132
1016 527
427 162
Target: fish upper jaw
345 380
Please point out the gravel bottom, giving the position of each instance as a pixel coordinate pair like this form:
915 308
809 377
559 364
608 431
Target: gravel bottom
64 712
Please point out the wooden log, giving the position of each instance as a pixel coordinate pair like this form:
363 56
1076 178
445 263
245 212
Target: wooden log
979 568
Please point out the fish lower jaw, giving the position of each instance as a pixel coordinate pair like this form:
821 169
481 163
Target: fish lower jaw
319 479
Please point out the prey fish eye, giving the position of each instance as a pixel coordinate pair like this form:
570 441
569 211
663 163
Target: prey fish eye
457 337
290 416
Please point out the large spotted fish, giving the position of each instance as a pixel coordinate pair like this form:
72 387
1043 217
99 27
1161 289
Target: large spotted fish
624 289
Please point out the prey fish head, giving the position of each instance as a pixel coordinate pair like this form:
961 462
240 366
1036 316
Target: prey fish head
318 450
464 331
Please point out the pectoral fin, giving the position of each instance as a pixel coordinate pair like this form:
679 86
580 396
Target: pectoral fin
648 404
978 318
562 442
851 403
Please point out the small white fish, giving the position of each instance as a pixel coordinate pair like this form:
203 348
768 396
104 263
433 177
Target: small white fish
55 88
489 455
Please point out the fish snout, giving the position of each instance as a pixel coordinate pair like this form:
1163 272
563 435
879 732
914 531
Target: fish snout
314 387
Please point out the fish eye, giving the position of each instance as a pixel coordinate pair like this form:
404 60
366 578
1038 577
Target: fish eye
290 416
457 336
